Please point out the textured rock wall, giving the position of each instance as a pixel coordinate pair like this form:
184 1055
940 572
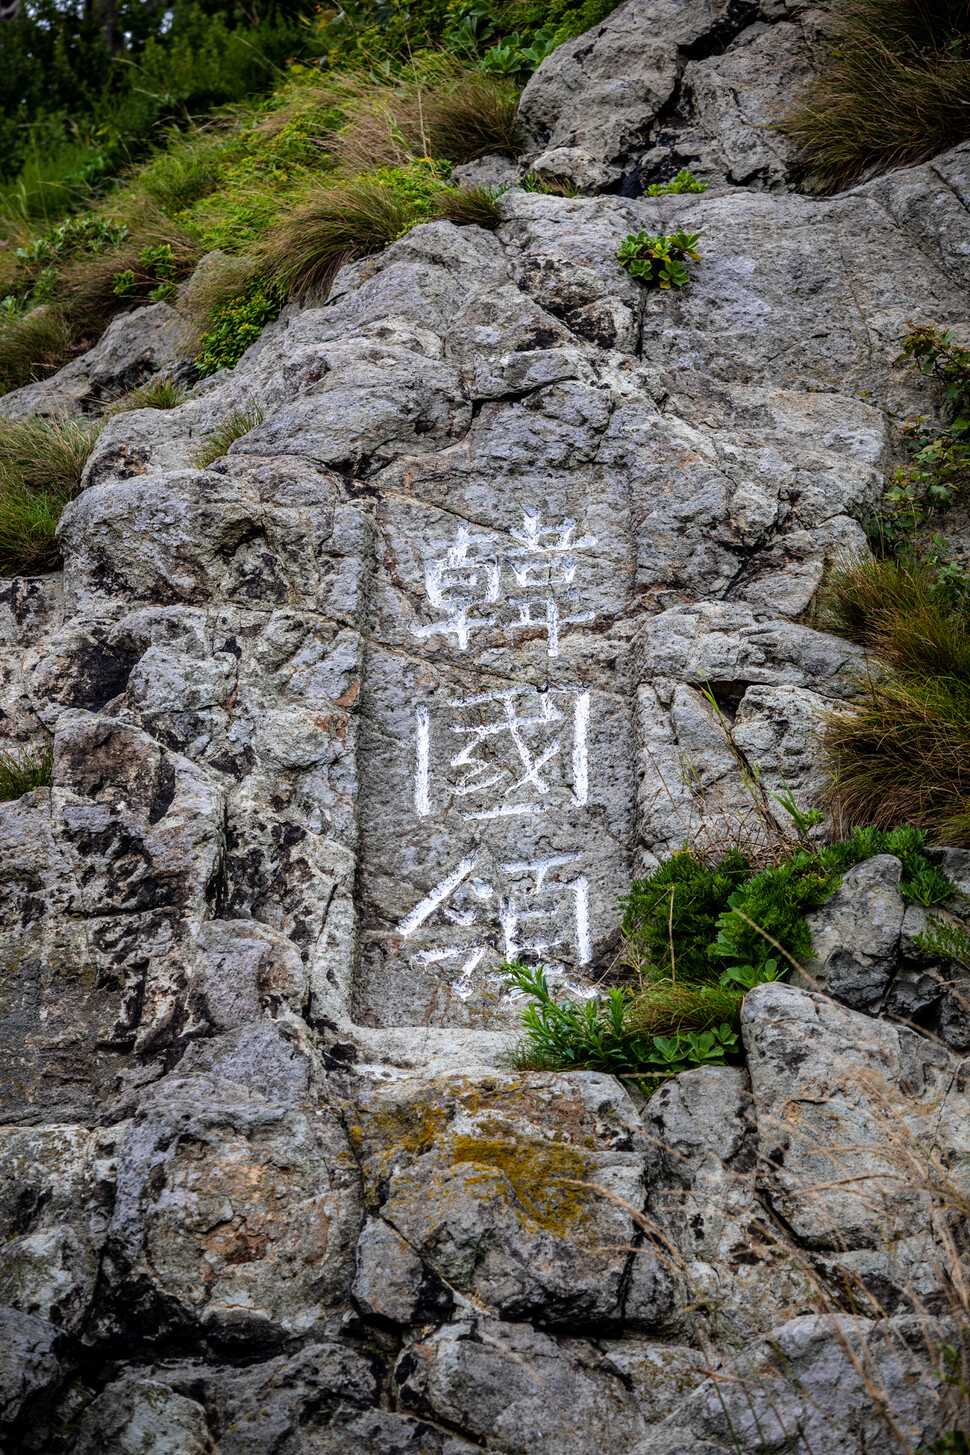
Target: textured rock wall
408 682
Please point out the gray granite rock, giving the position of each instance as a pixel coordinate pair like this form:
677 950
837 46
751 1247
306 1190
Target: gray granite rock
657 86
508 594
856 934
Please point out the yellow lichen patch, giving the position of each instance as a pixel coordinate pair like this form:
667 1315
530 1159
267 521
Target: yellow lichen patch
539 1173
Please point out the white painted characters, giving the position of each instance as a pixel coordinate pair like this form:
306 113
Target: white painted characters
540 909
513 760
477 589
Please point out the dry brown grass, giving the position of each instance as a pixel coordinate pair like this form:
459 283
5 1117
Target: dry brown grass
457 115
893 90
902 754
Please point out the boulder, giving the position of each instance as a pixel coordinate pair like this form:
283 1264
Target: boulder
856 934
657 86
514 1192
29 1364
855 1117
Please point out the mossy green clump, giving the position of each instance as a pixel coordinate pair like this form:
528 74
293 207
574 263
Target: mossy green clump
237 324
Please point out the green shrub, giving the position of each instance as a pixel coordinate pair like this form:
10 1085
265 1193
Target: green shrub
892 91
672 915
239 422
41 463
659 260
699 935
944 938
940 465
685 181
616 1035
237 324
24 769
508 39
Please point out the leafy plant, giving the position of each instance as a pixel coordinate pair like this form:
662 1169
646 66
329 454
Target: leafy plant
24 769
748 976
671 916
237 324
217 443
685 181
944 938
693 1048
927 885
659 260
606 1035
160 266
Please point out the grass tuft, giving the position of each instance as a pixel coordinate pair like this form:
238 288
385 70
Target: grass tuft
41 463
469 206
35 346
903 754
24 769
160 393
332 227
892 92
239 422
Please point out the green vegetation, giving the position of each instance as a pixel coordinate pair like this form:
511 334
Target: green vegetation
157 393
698 936
24 769
939 470
240 422
342 158
659 261
41 462
685 181
946 939
892 90
90 84
233 326
509 39
902 754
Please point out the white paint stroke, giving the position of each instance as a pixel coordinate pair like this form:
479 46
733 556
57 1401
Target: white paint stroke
438 895
422 772
581 749
508 810
584 942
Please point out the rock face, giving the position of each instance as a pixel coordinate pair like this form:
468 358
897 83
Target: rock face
683 83
486 615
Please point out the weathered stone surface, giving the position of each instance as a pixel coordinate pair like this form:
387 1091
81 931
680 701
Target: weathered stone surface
234 1219
856 934
475 1183
850 1112
29 1366
808 1388
653 88
704 1198
517 1391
